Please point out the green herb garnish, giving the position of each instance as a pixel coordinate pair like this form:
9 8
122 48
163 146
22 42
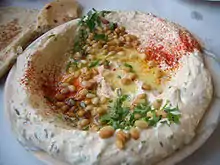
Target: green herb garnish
117 114
121 117
71 64
129 66
112 26
101 37
86 25
94 63
119 76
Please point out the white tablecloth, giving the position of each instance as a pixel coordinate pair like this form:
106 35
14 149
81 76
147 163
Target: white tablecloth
199 16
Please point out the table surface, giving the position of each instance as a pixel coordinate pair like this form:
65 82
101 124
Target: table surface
199 16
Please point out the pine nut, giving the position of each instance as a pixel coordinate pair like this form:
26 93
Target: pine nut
149 114
121 135
111 53
106 132
121 53
80 113
64 108
146 87
142 96
120 145
125 81
135 134
64 84
71 88
60 104
71 102
103 100
141 124
59 96
161 113
84 122
95 100
70 114
90 95
89 107
157 103
83 92
64 91
137 116
122 28
94 128
101 110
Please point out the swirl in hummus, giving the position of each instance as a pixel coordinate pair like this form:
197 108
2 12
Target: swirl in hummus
111 88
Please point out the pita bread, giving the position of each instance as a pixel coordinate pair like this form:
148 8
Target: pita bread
53 14
58 12
16 25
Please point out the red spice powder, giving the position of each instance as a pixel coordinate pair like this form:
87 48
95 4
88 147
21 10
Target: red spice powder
171 54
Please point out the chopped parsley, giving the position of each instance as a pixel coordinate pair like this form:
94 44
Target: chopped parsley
112 26
119 76
121 117
71 64
100 37
88 24
94 63
129 66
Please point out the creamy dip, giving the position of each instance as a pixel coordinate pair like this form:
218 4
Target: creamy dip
187 85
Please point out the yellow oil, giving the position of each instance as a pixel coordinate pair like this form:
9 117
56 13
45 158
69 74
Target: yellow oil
140 67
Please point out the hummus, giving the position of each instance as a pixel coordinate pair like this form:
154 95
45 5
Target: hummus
156 79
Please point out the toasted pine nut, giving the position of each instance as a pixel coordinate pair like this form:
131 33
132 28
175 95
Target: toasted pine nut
87 101
86 84
64 108
122 28
94 128
95 100
157 103
128 38
111 53
84 122
121 135
149 114
71 88
80 113
161 113
126 81
120 144
101 110
59 96
64 90
135 134
146 87
103 100
141 124
121 53
90 95
83 92
64 84
70 114
106 132
142 96
137 116
89 107
60 104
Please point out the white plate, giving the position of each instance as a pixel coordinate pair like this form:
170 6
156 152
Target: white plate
204 130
